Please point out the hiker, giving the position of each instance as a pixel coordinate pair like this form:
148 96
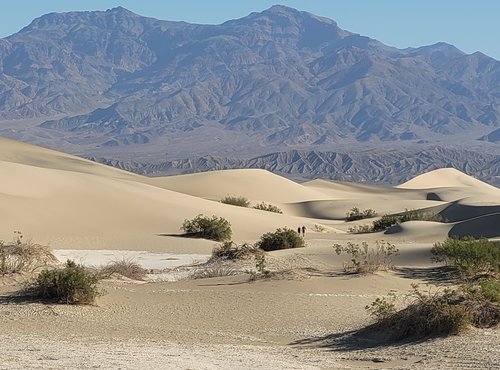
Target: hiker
298 230
303 231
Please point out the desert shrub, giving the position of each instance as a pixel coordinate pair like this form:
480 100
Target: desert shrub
282 238
23 256
267 207
387 221
260 268
435 313
360 229
356 214
72 284
213 228
236 201
319 228
382 308
214 270
231 251
365 259
470 256
124 267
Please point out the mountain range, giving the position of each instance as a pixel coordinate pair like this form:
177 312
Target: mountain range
129 89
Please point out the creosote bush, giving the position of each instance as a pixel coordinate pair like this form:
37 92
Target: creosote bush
212 270
355 214
72 284
470 256
365 259
213 228
282 238
236 201
267 207
387 221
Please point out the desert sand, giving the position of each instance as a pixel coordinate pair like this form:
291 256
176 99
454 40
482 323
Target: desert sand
94 213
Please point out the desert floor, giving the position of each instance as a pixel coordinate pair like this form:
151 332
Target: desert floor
308 316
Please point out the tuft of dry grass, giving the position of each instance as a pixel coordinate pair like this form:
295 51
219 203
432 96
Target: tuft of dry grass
212 270
24 256
124 267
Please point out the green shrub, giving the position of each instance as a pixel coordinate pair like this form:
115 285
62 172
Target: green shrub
267 207
72 284
236 201
365 259
213 228
387 221
382 308
355 214
282 238
470 256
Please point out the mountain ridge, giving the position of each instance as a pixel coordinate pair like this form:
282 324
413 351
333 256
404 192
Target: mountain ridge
110 83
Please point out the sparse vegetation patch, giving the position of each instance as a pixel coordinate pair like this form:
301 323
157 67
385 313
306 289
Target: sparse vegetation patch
267 207
356 214
236 201
229 250
365 259
387 221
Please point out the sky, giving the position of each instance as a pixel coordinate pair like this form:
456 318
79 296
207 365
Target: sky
470 25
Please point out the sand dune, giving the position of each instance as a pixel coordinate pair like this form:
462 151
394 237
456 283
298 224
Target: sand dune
445 177
254 184
62 198
94 213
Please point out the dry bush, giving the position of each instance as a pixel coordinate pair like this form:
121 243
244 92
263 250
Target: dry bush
212 270
365 259
436 313
231 251
319 228
360 229
24 256
124 267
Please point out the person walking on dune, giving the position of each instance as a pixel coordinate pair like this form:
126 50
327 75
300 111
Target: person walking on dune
303 231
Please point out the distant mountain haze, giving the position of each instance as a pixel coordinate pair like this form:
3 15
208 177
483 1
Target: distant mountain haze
121 87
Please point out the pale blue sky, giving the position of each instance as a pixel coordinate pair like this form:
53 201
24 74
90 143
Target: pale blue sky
471 25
